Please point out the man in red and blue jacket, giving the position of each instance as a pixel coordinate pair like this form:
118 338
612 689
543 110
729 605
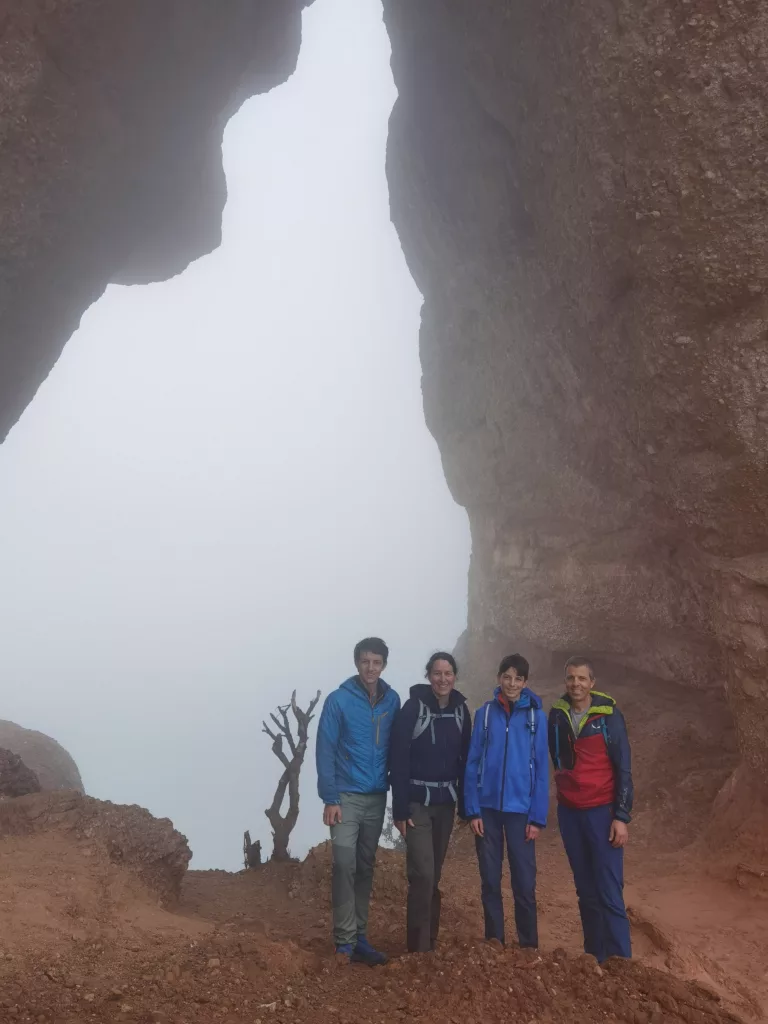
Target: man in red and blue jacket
590 750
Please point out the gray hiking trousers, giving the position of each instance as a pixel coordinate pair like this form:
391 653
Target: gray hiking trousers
354 843
427 844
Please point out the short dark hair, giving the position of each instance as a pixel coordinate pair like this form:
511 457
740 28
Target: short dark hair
517 662
578 662
441 656
371 645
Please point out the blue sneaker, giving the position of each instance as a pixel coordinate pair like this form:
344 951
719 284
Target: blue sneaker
364 953
345 949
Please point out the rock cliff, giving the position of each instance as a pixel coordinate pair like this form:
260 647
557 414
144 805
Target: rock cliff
111 121
580 190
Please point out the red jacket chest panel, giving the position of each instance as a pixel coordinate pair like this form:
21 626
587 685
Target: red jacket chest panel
590 783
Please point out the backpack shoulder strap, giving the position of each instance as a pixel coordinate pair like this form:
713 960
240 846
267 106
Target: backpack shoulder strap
532 730
459 716
423 720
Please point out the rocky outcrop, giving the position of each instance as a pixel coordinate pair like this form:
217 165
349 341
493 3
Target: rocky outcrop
581 193
15 778
50 762
111 121
149 847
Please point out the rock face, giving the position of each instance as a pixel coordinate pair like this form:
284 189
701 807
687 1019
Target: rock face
150 847
15 778
581 193
111 120
49 761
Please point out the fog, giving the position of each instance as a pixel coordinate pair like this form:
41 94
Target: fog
227 480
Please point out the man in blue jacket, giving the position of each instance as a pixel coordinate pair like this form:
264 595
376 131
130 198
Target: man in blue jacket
352 764
506 793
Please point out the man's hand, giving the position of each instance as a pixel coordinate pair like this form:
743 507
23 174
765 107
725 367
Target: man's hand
332 814
532 832
476 824
403 826
619 834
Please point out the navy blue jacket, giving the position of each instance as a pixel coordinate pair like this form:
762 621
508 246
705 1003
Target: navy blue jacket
508 762
440 761
353 741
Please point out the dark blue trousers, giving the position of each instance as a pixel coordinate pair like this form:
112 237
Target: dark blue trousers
509 829
598 871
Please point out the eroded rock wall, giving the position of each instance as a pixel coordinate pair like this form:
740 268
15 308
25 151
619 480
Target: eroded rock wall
111 119
581 192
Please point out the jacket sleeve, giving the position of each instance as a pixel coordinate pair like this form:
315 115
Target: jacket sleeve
466 736
540 799
471 789
400 757
326 750
621 759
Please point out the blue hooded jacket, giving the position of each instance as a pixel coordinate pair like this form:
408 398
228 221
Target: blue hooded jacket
352 748
508 762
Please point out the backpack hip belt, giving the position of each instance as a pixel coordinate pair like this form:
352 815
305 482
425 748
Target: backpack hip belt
429 786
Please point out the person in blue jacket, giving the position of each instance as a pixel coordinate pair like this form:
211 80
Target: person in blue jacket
506 795
352 756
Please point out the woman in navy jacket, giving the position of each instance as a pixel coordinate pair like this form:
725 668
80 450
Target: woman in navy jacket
506 793
428 752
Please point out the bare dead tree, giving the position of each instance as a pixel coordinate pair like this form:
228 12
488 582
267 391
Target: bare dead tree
282 825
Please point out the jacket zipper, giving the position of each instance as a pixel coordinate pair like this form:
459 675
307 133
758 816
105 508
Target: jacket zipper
504 766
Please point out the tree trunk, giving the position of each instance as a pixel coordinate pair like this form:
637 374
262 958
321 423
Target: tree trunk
282 826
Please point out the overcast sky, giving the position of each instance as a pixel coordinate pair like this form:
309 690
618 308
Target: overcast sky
227 481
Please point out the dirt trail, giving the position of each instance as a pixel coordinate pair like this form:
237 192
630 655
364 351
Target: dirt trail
84 941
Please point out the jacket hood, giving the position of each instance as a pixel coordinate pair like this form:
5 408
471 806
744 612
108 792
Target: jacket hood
353 685
526 699
423 692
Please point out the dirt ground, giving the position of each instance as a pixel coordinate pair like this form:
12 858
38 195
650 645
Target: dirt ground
89 933
82 941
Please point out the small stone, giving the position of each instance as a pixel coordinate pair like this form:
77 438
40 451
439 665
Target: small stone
214 962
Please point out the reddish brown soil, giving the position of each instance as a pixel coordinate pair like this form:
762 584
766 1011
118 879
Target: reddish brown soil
87 936
84 941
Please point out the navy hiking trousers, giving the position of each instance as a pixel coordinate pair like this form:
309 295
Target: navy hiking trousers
598 871
505 828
